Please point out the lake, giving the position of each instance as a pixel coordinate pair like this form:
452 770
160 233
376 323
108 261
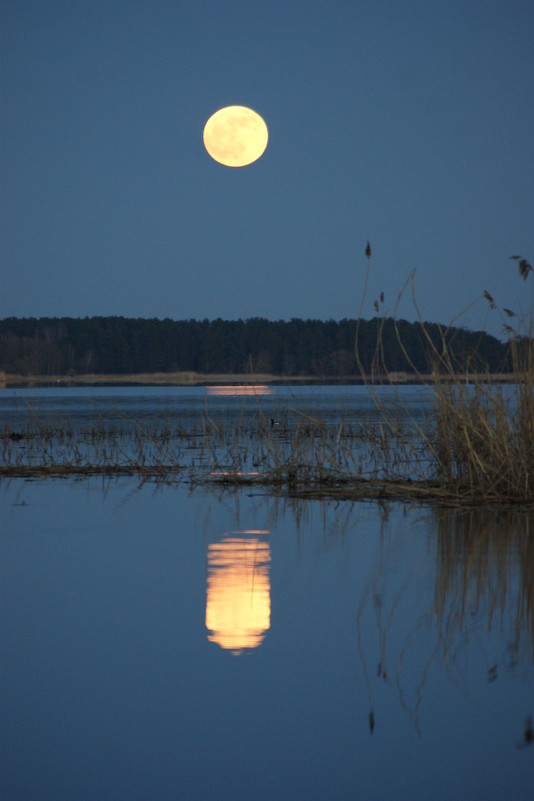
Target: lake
165 643
218 429
182 406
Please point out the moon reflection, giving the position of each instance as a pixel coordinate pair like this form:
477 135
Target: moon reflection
239 389
238 604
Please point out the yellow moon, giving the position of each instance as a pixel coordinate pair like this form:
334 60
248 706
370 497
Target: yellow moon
235 136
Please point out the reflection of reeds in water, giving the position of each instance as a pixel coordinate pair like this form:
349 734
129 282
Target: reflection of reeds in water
484 580
485 560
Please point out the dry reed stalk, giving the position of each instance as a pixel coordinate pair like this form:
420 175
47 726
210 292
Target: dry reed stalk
480 445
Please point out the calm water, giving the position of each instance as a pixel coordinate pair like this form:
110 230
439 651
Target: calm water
197 426
164 644
182 406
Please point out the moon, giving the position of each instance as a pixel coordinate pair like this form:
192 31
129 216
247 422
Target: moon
235 136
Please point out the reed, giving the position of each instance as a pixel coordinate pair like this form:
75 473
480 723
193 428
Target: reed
304 453
479 438
381 456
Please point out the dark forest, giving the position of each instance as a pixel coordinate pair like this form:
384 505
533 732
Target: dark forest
322 349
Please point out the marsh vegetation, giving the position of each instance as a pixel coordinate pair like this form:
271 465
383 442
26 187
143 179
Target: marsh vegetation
389 448
478 438
471 442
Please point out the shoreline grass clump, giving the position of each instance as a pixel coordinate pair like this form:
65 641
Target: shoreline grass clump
479 436
484 440
484 434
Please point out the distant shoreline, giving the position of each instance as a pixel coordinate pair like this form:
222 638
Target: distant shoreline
192 379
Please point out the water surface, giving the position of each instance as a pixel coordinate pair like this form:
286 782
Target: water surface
164 644
227 429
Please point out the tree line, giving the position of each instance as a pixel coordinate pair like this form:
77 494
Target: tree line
322 349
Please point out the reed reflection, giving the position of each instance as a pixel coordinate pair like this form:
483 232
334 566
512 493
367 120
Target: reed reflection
238 602
479 624
485 561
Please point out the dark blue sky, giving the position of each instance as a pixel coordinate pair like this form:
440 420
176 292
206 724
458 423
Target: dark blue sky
410 124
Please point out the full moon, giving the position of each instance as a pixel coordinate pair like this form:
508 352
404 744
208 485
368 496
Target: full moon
235 136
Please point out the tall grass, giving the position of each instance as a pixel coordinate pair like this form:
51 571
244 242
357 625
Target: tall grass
479 436
302 453
484 441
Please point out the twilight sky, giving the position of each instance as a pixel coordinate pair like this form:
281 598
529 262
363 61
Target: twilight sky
407 123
